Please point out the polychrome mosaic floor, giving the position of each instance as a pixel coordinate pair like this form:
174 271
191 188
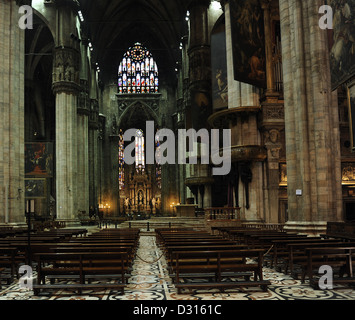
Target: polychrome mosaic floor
150 281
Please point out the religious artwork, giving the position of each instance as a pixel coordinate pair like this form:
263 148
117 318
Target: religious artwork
39 159
348 173
219 67
35 188
121 170
247 26
342 41
157 165
138 72
65 66
140 160
283 174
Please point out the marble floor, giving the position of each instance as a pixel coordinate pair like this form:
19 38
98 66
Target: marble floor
150 281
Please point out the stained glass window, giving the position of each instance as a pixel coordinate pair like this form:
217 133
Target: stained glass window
138 71
121 161
157 166
140 160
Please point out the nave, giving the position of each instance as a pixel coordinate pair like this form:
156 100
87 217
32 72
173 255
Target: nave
150 280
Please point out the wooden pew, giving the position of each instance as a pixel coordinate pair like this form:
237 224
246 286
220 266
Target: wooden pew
297 253
9 259
336 257
82 265
197 255
243 235
280 249
217 262
1 271
62 248
169 250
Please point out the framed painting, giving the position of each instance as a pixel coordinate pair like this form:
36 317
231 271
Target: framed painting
35 188
341 42
248 38
219 66
39 159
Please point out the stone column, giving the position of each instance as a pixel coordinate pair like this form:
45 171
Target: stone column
83 131
311 120
94 136
93 153
199 53
66 88
200 108
83 152
12 115
242 118
273 146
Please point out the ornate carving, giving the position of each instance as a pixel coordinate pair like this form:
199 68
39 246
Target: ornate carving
221 119
348 173
274 153
200 64
66 70
272 136
273 112
83 103
248 153
114 126
283 174
94 115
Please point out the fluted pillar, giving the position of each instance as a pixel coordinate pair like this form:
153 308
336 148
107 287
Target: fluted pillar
199 54
94 136
66 87
311 120
83 131
12 114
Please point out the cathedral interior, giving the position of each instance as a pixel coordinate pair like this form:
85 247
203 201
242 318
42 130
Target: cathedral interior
79 76
86 72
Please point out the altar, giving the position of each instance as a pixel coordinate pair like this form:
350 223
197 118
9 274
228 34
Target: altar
185 210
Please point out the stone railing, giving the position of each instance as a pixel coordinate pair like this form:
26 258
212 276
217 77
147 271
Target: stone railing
222 213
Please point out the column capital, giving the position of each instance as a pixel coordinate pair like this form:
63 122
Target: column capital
83 107
66 70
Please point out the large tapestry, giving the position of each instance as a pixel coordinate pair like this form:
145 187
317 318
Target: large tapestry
247 24
342 41
219 67
39 159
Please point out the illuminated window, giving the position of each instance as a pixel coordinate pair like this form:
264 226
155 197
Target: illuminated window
138 72
121 161
140 161
157 166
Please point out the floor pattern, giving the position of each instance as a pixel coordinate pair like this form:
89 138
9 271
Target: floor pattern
150 281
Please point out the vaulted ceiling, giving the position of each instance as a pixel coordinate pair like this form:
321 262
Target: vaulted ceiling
114 26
